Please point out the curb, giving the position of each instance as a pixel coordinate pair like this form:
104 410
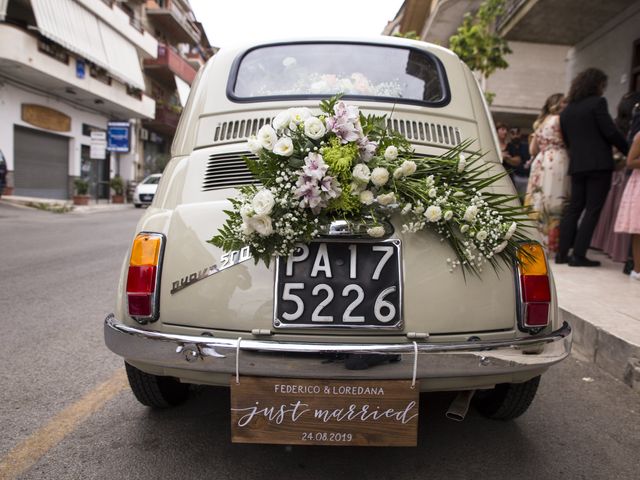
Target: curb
613 354
64 206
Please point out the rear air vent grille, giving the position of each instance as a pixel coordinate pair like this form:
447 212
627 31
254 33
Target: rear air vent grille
416 132
426 132
238 129
227 170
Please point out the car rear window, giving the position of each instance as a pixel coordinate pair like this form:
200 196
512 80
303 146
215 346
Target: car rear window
300 70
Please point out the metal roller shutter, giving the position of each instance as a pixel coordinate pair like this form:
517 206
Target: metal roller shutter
41 164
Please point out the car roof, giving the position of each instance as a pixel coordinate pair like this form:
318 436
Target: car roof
240 47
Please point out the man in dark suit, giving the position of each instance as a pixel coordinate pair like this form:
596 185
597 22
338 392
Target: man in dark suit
589 133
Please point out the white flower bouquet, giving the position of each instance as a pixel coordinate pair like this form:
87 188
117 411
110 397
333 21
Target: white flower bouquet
342 164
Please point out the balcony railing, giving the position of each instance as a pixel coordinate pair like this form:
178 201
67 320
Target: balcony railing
169 59
180 17
165 121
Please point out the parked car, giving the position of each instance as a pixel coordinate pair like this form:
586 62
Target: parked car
188 312
146 190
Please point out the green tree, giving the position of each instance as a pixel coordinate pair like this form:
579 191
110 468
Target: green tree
411 35
477 43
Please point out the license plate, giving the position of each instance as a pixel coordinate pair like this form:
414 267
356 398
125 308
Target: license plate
324 412
340 285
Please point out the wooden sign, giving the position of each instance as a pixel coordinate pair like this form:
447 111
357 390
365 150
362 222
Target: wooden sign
45 117
324 412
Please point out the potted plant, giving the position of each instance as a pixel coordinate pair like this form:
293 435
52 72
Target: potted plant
81 196
117 185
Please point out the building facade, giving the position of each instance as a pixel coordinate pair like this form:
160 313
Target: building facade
68 68
182 49
552 41
598 34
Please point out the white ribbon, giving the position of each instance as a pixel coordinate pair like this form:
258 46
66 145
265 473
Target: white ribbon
415 364
238 361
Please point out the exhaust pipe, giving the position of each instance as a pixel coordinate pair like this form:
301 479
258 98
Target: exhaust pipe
460 405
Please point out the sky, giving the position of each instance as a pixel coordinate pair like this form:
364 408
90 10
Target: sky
228 22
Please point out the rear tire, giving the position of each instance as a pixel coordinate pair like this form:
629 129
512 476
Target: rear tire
507 400
156 391
138 205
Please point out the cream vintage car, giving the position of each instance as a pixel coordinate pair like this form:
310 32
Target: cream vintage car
189 313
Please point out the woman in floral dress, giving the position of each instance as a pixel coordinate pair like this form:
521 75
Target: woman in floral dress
549 185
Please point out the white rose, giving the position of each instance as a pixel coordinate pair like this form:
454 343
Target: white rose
282 120
361 173
448 215
470 214
263 202
299 115
462 162
267 137
510 231
283 147
398 173
246 229
500 247
408 167
391 153
433 213
314 128
386 199
366 197
432 192
464 229
261 224
481 236
254 145
379 176
246 211
375 232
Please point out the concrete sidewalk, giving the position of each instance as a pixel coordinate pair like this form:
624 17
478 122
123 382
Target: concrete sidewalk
65 206
602 305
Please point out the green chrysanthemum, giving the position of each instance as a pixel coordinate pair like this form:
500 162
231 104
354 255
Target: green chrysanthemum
340 158
346 204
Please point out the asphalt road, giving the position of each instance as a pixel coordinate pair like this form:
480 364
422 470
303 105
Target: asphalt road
59 419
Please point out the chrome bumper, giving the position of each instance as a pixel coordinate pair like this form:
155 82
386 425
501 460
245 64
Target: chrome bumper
327 360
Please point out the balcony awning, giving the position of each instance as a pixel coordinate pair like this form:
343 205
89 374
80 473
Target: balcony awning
80 31
122 56
183 90
3 9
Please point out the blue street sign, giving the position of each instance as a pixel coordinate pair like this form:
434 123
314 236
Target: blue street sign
118 136
80 68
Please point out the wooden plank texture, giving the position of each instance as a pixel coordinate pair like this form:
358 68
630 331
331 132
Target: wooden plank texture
324 412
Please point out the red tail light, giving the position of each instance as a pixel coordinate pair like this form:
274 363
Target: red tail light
142 278
535 290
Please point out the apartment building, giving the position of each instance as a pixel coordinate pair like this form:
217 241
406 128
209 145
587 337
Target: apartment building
183 48
552 41
71 68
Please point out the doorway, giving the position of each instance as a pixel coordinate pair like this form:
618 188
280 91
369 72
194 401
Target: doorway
96 173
